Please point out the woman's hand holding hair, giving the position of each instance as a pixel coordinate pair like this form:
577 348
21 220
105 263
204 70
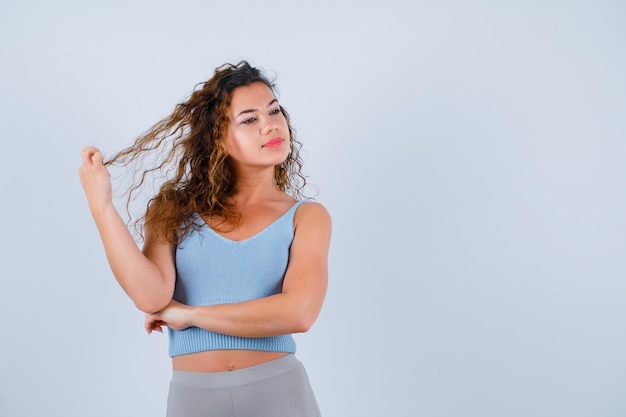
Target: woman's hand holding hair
95 179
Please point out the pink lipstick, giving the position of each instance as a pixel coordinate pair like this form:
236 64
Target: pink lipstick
273 143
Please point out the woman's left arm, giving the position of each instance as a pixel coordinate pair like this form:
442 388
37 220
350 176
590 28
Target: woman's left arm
294 310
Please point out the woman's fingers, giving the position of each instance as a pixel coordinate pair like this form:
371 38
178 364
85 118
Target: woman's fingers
91 155
148 322
153 323
97 158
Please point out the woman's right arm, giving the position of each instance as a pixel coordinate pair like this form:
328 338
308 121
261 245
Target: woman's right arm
147 276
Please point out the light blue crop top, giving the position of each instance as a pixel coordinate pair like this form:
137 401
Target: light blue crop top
211 269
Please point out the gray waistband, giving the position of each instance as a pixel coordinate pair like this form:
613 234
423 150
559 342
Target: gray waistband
236 377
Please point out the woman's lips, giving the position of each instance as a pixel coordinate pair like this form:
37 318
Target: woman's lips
273 143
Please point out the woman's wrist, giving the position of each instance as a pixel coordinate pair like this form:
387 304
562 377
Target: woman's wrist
192 315
102 209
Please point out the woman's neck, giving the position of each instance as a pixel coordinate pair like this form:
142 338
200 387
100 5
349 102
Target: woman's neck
250 191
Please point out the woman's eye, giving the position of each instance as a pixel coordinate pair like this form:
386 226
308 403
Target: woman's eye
275 111
248 121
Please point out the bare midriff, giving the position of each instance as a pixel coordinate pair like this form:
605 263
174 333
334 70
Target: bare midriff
222 360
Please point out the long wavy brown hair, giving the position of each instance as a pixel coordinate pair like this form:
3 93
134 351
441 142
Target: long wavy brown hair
187 148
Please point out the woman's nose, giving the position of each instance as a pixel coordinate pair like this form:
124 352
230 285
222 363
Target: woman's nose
268 126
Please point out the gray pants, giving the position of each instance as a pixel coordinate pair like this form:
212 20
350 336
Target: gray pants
279 388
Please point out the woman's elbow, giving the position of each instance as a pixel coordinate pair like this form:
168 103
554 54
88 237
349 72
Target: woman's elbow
304 321
152 305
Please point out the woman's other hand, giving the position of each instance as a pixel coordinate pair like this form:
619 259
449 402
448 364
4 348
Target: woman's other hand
175 315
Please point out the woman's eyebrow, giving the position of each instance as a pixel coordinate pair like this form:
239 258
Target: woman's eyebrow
253 110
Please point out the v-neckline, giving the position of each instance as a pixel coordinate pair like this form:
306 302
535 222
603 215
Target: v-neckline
254 235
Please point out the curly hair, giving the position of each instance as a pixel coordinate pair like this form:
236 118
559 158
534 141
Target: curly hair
189 144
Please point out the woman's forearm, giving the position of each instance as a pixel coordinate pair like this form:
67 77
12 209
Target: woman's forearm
270 316
263 317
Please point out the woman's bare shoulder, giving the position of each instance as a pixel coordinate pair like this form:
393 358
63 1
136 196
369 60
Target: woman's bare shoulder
312 213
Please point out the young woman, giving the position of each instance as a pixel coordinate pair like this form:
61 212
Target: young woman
233 260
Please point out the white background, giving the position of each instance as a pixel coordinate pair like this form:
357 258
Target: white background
472 155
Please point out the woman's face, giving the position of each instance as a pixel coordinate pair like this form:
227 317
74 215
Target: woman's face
257 135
